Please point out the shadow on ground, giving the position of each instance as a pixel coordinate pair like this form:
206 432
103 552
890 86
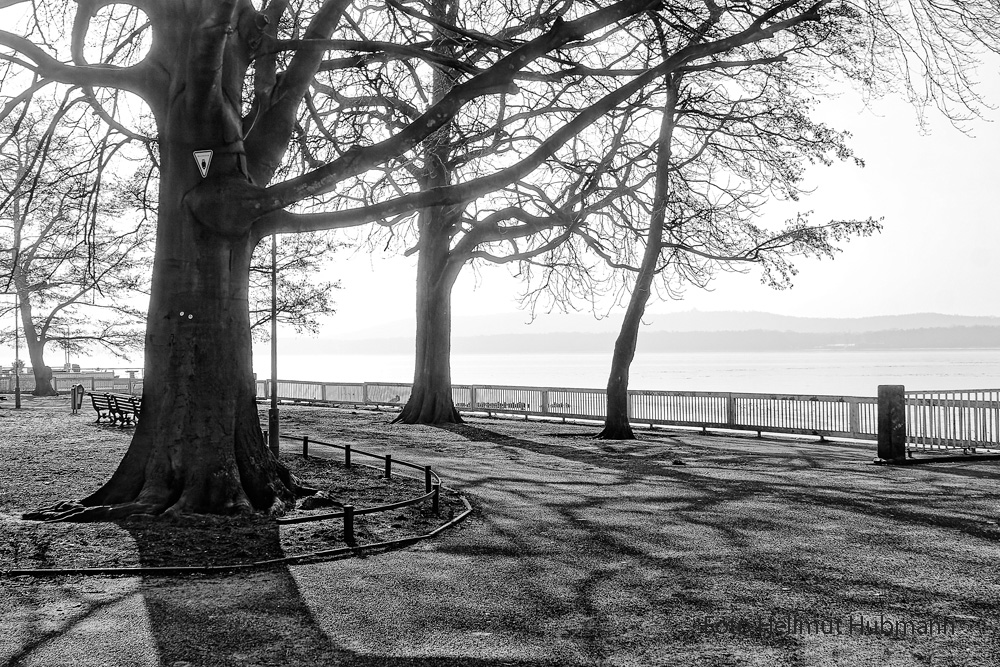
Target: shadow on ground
247 618
587 552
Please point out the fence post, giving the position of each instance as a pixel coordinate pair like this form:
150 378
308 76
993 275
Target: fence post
891 422
349 524
347 456
435 507
472 397
364 393
305 446
854 416
388 466
730 410
427 479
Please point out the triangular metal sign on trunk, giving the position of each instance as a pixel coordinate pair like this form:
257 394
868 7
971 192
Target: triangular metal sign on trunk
204 161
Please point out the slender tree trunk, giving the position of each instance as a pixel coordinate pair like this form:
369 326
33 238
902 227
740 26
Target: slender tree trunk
616 421
36 351
431 400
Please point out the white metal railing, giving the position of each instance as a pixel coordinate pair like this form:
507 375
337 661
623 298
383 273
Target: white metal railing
949 419
953 419
834 416
63 384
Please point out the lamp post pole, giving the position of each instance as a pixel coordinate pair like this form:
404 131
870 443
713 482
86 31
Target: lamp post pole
17 354
272 414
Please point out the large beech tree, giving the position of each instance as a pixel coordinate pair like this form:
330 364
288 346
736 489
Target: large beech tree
520 221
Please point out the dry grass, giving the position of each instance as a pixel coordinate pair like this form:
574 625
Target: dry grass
51 455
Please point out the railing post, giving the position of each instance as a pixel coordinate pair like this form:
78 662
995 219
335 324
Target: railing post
427 479
388 466
349 524
322 392
364 393
891 422
305 446
854 416
472 397
435 506
545 401
730 410
347 456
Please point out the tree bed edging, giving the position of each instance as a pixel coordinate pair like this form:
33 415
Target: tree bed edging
322 555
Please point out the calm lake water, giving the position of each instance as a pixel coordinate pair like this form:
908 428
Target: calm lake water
849 373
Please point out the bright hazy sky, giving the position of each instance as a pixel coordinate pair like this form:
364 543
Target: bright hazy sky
937 192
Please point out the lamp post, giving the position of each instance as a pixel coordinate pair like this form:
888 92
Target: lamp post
17 354
272 414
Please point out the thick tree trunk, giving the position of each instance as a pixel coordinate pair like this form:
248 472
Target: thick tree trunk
616 421
36 352
198 446
431 400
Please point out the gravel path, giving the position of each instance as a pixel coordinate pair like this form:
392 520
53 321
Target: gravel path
680 549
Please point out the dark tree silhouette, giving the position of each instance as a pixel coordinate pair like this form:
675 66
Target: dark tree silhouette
714 162
70 252
733 133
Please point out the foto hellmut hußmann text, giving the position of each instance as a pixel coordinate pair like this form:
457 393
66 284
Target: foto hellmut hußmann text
851 625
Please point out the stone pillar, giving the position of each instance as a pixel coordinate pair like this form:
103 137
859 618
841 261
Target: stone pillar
891 422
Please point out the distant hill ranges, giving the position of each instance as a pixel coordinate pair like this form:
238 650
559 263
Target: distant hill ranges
692 331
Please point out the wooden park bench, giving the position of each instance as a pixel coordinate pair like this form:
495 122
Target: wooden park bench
120 409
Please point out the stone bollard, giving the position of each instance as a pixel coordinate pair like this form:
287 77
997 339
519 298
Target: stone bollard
891 422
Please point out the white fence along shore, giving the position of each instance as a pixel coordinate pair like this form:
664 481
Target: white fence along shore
834 416
968 420
948 419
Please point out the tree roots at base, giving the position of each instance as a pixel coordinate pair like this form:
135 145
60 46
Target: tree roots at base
616 433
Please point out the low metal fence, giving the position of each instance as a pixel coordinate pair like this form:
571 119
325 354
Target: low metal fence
432 485
825 416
